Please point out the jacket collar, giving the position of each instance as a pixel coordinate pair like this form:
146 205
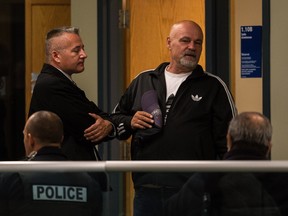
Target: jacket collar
246 153
49 69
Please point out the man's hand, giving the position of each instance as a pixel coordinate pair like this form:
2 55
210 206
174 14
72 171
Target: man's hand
142 120
99 130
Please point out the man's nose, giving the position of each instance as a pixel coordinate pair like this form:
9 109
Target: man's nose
192 45
83 54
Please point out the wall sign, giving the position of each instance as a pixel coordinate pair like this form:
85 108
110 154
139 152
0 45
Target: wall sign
251 51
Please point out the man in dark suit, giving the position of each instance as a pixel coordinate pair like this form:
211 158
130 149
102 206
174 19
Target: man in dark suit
85 125
48 193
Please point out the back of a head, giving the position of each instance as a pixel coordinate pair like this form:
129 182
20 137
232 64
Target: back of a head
250 128
46 127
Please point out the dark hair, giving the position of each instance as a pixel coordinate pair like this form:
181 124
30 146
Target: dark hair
46 126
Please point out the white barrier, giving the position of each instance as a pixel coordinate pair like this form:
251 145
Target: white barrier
144 166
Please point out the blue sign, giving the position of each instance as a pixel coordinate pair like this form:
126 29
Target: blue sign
251 51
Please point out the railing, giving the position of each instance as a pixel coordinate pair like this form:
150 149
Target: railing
144 166
114 201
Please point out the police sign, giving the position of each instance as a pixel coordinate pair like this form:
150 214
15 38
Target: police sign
59 193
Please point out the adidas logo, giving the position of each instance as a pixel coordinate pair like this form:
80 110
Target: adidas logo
196 98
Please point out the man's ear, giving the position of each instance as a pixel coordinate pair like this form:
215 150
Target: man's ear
55 56
31 141
168 43
229 142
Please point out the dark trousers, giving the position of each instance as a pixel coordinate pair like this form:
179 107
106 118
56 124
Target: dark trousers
150 201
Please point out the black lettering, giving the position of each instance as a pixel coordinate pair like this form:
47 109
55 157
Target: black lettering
71 193
58 193
40 190
49 192
79 193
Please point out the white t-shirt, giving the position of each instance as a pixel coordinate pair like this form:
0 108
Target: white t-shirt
173 81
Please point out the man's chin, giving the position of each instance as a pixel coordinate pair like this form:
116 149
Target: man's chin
80 69
189 64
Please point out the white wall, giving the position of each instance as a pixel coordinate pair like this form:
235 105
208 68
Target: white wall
279 78
84 16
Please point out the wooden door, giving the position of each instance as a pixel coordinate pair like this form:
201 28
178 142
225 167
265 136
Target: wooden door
40 17
150 22
145 43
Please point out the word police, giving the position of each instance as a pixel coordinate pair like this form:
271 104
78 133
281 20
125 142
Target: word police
59 193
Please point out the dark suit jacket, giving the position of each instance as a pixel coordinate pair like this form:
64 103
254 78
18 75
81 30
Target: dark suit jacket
54 92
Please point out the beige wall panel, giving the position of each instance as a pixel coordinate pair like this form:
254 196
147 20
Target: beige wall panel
279 79
84 16
247 91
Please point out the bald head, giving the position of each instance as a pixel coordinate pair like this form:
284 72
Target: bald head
185 24
43 128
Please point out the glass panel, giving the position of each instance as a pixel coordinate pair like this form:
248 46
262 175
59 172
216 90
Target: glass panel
214 188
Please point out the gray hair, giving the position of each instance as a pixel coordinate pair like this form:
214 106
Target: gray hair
250 127
56 32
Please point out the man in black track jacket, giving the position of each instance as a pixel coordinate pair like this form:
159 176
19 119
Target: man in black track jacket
175 112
